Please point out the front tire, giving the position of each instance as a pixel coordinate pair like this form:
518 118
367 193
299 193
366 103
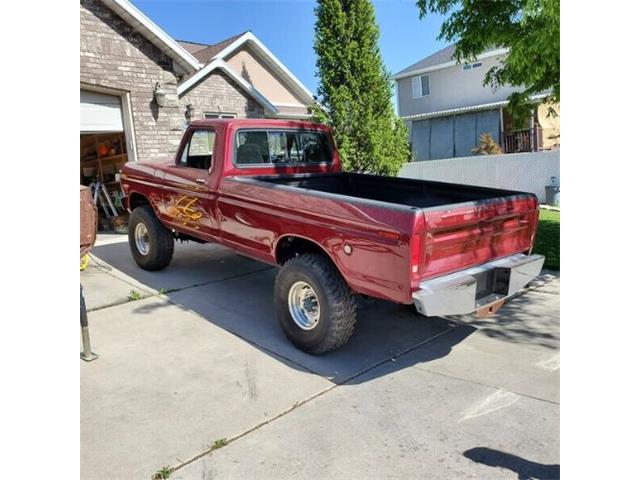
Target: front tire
314 305
151 243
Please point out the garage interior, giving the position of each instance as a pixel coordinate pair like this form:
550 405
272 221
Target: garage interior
103 152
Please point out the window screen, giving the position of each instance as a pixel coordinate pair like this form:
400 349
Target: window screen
281 147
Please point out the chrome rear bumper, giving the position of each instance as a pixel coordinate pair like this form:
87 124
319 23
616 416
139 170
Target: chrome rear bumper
477 287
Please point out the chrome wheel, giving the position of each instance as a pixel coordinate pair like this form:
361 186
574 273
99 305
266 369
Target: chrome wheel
304 305
141 236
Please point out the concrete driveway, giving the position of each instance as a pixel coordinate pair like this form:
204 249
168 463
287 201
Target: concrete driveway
200 357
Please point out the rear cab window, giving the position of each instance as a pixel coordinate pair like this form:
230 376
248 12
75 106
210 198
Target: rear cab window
281 147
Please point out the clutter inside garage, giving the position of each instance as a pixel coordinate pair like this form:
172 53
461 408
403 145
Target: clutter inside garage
102 156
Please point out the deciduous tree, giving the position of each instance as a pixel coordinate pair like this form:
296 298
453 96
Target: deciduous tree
530 29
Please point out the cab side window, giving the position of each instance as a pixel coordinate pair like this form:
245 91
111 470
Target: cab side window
199 151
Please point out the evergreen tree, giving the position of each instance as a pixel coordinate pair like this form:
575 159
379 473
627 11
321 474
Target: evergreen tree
355 89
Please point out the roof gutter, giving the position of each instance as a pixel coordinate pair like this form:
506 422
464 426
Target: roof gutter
152 32
472 108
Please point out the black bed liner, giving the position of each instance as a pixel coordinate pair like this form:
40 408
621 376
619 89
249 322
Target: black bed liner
403 191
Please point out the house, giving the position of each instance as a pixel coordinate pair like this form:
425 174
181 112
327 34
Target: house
242 61
136 83
447 108
139 88
129 73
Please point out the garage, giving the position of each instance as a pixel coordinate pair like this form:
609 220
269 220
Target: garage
103 152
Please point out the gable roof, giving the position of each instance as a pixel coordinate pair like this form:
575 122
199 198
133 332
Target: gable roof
223 49
152 32
441 56
199 59
191 47
211 51
442 59
246 86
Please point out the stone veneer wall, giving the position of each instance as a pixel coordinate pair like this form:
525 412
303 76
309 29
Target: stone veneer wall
114 55
217 92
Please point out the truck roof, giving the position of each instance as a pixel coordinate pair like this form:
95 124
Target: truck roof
259 123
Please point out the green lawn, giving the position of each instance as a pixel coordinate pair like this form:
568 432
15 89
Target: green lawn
548 238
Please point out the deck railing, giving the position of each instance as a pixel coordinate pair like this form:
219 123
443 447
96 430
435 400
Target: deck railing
522 140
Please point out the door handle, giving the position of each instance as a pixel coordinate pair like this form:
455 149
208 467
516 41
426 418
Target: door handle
201 181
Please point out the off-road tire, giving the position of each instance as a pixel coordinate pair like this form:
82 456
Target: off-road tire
337 303
160 239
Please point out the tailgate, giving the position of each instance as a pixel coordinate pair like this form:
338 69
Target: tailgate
474 233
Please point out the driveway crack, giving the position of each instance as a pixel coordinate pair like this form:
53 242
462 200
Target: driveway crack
316 395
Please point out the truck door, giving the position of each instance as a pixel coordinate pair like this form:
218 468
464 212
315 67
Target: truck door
189 201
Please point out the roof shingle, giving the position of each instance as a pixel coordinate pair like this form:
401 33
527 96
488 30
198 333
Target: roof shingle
191 47
441 56
206 54
203 52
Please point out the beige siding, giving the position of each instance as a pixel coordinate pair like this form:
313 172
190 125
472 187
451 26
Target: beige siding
550 125
246 64
113 55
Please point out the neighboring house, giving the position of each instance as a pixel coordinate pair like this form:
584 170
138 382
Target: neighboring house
447 108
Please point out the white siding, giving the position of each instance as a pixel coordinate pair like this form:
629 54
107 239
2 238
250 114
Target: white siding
451 88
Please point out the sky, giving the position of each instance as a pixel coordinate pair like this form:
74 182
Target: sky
286 28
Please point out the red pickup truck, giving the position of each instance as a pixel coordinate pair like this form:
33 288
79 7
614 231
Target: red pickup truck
273 190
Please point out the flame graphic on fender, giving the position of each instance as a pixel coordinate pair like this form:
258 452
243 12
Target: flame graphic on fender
184 211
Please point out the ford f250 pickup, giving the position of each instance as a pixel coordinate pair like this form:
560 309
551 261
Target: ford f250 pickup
273 190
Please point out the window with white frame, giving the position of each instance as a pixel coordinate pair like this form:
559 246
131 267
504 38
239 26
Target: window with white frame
208 115
420 86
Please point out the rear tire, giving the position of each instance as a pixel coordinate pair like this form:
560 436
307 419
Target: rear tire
151 243
314 305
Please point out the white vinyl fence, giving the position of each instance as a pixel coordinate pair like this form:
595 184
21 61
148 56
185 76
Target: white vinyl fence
524 172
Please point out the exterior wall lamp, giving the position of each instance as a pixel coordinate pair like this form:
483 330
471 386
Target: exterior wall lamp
160 95
190 112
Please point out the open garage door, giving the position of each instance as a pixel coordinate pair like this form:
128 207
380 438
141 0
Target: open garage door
100 112
103 152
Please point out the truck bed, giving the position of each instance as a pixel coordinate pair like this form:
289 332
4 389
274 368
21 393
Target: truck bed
402 191
464 225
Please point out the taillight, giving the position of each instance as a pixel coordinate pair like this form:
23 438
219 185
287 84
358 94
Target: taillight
416 251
